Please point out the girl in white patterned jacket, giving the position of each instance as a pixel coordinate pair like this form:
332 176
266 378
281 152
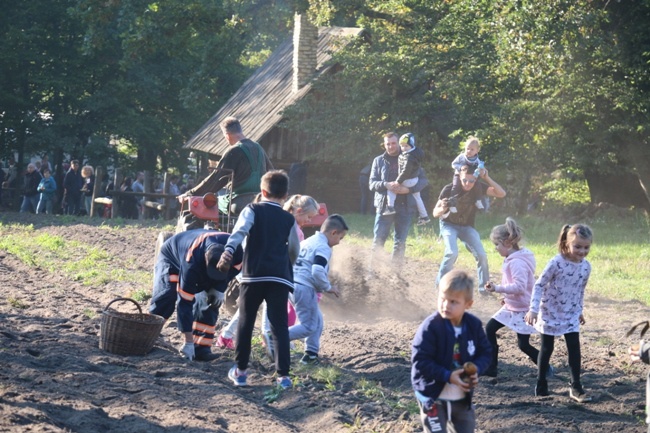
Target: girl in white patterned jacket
557 303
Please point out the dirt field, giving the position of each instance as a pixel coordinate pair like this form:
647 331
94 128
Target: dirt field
54 377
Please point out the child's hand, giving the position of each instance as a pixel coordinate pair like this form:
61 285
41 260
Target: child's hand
635 352
582 319
489 286
224 261
530 318
335 291
456 379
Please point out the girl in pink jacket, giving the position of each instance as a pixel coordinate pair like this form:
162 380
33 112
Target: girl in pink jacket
516 286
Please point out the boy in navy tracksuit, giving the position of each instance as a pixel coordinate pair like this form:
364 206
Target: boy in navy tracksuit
272 246
186 267
443 343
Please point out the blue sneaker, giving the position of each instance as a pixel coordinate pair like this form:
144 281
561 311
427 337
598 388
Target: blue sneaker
238 377
284 382
550 373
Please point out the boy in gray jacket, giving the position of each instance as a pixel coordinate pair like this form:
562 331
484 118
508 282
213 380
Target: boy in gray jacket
310 277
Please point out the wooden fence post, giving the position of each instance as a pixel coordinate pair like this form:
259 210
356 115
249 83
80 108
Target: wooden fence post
146 211
117 182
99 174
166 200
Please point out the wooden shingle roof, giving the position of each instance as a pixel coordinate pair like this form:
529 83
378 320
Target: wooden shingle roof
259 102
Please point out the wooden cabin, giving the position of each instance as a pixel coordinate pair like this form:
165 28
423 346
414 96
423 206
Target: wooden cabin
286 77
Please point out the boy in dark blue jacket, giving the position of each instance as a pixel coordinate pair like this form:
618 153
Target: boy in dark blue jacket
185 268
272 247
443 343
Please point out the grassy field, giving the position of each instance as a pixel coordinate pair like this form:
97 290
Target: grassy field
620 255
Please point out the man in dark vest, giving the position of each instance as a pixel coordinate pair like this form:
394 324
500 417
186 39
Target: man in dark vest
246 159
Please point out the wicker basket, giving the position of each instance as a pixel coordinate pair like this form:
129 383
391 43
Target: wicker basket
128 333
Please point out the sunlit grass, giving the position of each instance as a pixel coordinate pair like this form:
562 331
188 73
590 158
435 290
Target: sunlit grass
87 264
620 257
328 375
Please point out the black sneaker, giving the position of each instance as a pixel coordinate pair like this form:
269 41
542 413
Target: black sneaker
423 221
490 372
541 389
389 211
206 356
309 358
577 393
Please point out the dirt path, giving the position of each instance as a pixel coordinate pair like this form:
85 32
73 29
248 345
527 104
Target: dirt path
54 378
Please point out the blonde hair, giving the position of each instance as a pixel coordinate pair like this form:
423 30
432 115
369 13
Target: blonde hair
305 203
509 231
471 140
456 281
87 171
570 232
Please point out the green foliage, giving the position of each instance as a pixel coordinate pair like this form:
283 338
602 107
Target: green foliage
549 85
90 313
370 389
566 191
140 295
17 303
272 395
327 375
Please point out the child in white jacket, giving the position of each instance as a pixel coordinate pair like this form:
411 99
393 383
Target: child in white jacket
310 275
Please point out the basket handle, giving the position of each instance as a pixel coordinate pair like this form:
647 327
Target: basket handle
124 299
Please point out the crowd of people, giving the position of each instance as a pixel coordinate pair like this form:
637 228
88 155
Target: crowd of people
277 267
286 273
41 191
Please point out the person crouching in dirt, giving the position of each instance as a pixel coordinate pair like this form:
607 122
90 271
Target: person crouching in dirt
186 279
449 351
641 352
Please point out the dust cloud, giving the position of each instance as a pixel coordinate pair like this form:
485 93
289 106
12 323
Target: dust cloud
405 293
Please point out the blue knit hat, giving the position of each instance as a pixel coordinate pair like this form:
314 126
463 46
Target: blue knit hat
409 139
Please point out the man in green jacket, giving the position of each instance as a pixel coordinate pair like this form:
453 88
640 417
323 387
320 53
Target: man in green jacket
248 162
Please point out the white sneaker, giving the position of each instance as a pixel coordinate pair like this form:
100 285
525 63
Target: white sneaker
479 205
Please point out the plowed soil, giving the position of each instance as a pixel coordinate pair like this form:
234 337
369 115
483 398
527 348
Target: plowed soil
54 377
